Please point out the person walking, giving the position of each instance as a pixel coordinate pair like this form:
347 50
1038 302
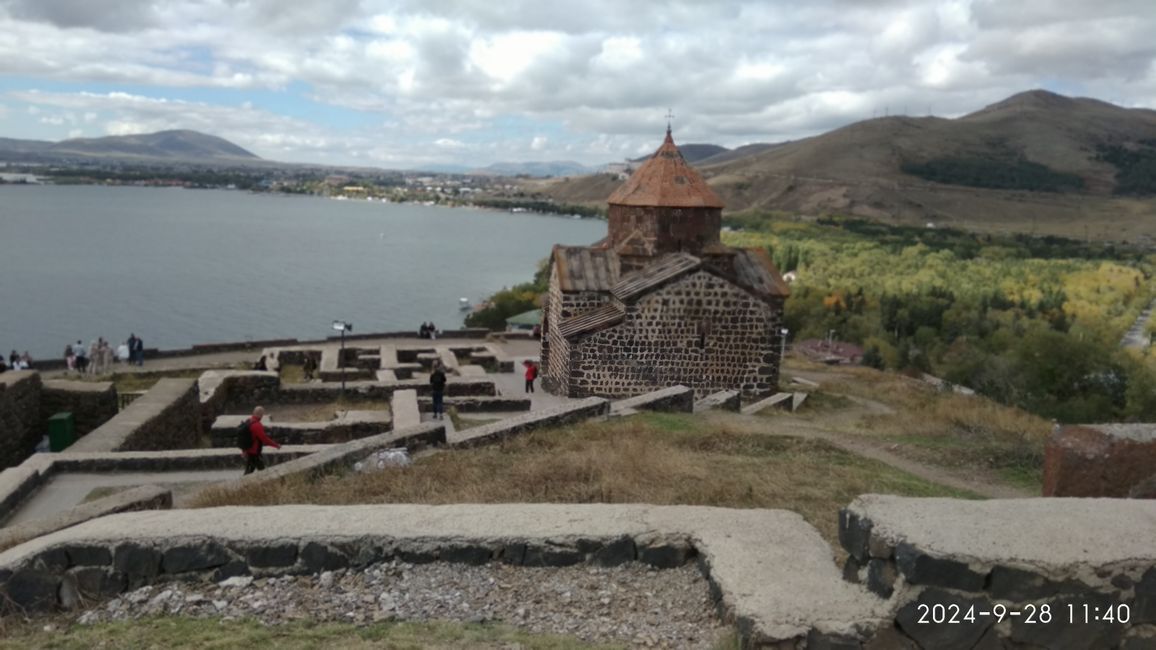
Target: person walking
257 441
531 374
437 383
81 357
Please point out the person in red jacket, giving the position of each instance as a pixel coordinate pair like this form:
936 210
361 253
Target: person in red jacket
260 439
531 374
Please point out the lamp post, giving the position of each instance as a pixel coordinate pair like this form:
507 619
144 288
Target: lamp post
783 346
343 327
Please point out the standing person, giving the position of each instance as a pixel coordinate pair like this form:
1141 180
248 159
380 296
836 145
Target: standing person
138 351
433 330
257 441
13 359
531 374
310 367
81 358
437 383
261 364
122 353
27 359
69 357
93 357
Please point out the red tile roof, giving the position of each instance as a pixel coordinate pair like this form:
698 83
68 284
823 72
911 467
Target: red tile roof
666 180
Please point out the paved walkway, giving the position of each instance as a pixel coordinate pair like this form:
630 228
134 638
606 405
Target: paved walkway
1137 337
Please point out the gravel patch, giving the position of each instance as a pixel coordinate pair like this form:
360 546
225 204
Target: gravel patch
633 604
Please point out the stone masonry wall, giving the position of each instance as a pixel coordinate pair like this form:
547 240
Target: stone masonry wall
662 229
168 416
555 353
700 331
20 426
91 403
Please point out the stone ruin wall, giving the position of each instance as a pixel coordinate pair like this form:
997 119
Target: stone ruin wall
91 406
657 345
19 410
555 356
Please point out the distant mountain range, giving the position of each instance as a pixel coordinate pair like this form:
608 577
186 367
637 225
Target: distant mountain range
163 146
1036 160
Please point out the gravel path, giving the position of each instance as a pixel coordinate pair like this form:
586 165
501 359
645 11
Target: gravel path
632 604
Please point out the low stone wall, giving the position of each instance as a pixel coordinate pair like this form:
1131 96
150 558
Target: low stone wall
1099 460
770 572
1055 567
20 425
91 403
170 461
480 404
348 425
168 416
678 399
145 497
335 456
233 390
577 411
16 485
727 400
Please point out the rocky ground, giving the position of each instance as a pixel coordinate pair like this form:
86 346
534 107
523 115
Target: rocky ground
632 604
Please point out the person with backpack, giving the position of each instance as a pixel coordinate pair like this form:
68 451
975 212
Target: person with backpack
437 384
251 439
531 374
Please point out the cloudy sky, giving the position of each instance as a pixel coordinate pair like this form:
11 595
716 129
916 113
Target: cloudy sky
410 82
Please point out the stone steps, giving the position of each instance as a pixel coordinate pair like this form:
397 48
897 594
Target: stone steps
778 399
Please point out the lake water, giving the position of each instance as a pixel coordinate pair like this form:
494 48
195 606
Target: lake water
179 267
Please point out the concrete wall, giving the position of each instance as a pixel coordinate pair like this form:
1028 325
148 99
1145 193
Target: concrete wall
168 416
20 426
91 403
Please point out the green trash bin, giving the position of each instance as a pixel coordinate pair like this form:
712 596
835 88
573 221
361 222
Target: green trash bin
61 431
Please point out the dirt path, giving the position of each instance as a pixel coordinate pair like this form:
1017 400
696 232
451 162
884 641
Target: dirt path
836 428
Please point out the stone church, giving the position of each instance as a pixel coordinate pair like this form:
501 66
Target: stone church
661 301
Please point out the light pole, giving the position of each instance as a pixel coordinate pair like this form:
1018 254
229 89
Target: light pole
783 346
343 327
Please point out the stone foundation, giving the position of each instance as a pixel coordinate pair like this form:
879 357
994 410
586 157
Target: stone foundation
20 428
91 403
168 416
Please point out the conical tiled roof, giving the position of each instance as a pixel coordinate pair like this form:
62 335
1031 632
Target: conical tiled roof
666 180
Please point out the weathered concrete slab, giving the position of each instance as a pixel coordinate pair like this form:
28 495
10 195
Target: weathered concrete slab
388 356
576 411
804 382
145 497
386 375
405 409
727 400
771 570
1099 460
1021 552
449 360
484 404
678 399
470 370
797 400
777 400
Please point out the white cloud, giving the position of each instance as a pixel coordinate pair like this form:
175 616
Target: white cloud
605 71
538 143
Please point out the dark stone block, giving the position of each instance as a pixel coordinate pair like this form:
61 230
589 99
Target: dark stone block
552 556
854 534
889 638
316 558
1144 607
881 577
665 556
1139 640
139 563
1062 635
922 569
851 570
466 554
89 556
1017 585
196 557
819 641
280 555
54 559
514 554
96 583
944 636
615 553
34 589
231 570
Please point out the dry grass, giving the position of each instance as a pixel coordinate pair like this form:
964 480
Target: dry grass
647 458
177 632
952 430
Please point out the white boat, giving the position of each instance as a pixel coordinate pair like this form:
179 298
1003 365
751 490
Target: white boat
463 303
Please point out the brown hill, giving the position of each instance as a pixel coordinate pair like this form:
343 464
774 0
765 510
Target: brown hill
983 171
